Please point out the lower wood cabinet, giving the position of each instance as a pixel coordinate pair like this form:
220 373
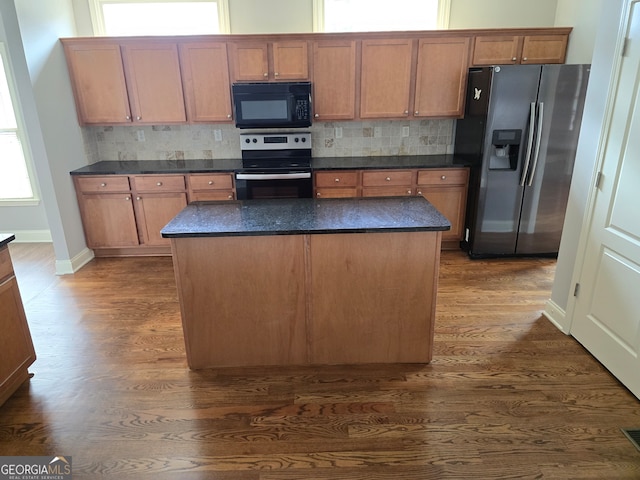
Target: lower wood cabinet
16 347
445 188
124 214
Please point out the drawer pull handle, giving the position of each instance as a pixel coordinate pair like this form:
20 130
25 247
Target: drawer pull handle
138 198
103 184
408 192
419 192
159 184
388 179
443 177
337 180
318 194
127 198
210 182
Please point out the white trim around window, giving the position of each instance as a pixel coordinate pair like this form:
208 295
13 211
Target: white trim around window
97 17
21 134
444 12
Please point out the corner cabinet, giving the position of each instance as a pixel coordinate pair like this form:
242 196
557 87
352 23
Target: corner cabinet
16 347
123 83
122 215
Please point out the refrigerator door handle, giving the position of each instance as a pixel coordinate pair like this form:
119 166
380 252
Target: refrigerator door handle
538 141
527 156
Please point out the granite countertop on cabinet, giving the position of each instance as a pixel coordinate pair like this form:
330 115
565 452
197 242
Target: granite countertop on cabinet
5 238
306 216
163 167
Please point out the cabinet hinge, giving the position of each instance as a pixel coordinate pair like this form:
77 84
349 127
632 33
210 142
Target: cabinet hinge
599 179
625 46
576 290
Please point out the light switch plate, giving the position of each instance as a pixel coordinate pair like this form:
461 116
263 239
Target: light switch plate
338 132
405 131
217 135
140 135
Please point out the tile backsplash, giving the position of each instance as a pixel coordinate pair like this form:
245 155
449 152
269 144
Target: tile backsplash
330 139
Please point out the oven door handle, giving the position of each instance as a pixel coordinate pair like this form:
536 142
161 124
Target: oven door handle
272 176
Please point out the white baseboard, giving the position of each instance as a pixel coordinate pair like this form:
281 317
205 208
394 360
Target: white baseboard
556 315
68 267
33 236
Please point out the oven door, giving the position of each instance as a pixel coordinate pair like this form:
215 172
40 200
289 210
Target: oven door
289 184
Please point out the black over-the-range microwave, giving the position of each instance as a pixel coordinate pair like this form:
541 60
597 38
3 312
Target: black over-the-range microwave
275 104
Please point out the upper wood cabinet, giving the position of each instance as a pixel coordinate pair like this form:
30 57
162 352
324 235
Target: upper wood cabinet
441 77
205 77
99 87
154 82
135 82
385 78
515 49
334 80
263 61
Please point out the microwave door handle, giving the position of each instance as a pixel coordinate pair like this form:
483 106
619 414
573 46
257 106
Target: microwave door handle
527 156
538 140
272 176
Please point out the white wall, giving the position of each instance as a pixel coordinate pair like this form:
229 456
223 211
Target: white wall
54 133
586 157
502 13
583 16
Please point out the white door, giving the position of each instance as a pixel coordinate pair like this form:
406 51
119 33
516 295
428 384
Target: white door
606 318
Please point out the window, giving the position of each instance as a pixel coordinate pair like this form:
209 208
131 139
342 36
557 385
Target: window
159 17
380 15
15 180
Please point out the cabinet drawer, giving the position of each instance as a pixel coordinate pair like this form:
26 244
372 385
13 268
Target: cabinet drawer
386 177
6 268
158 183
211 195
214 181
342 192
336 179
105 183
443 176
395 191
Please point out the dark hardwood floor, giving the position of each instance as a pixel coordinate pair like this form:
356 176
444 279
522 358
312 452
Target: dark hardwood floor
507 395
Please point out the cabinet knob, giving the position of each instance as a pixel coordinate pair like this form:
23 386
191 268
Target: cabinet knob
276 74
514 59
408 192
138 198
406 112
419 192
265 74
229 116
103 184
388 179
443 177
337 180
159 184
524 59
138 118
317 115
128 117
127 198
416 112
210 182
318 194
230 197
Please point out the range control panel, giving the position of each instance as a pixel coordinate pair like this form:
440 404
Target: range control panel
275 141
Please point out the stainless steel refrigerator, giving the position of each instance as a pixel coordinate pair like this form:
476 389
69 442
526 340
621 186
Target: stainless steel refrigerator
520 133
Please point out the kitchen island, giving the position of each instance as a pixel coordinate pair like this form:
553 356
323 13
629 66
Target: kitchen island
307 281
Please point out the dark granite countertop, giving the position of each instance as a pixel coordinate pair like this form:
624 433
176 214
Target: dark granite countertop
5 238
139 167
306 216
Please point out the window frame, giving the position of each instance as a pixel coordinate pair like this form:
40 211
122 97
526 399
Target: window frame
97 18
444 11
21 134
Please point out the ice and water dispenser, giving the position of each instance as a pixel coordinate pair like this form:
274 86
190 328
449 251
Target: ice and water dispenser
505 149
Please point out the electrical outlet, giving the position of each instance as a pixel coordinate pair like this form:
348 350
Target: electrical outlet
338 132
405 131
140 135
217 135
377 131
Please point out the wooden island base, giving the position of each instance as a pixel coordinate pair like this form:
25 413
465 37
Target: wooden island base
349 298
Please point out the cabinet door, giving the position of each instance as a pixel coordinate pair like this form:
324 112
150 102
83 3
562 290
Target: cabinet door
98 82
334 80
290 61
16 347
205 76
544 49
108 220
154 211
496 50
441 77
385 78
154 82
250 61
